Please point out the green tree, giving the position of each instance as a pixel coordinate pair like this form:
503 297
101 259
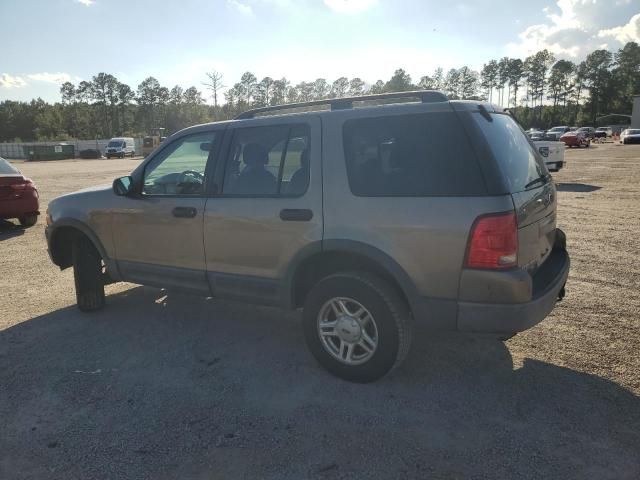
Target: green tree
399 82
488 78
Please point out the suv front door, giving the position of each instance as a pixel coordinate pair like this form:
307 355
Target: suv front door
158 233
269 209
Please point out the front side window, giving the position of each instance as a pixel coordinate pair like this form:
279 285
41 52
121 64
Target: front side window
410 155
268 161
179 169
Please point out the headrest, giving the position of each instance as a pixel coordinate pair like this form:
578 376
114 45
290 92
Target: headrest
255 154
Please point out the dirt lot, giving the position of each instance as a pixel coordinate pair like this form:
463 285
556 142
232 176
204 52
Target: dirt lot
160 386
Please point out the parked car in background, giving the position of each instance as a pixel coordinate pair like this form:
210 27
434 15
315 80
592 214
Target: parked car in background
575 139
603 132
121 147
552 153
377 217
587 131
630 135
535 134
18 196
556 132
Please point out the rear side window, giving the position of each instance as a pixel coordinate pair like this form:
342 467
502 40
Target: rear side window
512 150
410 155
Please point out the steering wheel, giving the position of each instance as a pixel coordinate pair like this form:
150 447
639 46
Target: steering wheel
190 173
190 186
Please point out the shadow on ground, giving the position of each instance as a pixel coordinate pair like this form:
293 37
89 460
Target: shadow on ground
576 187
10 230
174 386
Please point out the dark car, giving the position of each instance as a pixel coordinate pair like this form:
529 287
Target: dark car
18 195
589 132
575 139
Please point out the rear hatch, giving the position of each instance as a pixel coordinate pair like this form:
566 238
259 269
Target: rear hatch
526 178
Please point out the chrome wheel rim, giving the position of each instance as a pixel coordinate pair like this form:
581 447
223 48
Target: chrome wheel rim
347 330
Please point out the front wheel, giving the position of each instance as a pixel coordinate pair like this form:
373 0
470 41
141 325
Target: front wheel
357 326
87 273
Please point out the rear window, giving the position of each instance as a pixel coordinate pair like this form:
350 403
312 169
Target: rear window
512 150
410 155
6 168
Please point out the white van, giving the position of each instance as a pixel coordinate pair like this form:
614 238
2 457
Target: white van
120 147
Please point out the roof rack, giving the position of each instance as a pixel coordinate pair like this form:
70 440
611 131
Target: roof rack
344 103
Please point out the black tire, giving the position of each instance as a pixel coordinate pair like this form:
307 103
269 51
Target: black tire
28 220
108 157
87 273
392 319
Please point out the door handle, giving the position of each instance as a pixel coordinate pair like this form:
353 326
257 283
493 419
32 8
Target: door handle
296 215
184 212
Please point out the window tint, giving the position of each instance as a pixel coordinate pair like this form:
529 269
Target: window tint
268 161
7 168
411 155
179 169
512 150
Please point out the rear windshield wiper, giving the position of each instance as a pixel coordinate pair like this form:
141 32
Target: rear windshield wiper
543 179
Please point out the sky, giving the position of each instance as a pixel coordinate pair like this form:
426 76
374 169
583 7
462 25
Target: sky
48 42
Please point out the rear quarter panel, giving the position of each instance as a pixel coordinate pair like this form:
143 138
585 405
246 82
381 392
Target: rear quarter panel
426 236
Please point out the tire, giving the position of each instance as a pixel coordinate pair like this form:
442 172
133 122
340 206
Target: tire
386 315
108 157
28 220
87 273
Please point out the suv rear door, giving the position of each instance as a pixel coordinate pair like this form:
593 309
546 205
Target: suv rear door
527 179
264 212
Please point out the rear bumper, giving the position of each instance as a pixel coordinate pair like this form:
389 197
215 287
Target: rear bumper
19 207
546 287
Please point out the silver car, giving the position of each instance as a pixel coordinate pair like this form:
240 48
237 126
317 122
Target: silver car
370 217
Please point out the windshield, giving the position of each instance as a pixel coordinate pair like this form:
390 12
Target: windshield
6 168
513 151
633 132
116 143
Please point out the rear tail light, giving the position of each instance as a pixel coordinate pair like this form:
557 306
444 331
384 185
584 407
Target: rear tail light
16 186
493 243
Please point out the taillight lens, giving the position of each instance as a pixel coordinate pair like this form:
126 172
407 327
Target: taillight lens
494 242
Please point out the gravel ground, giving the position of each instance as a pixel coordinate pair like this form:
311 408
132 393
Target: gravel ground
168 386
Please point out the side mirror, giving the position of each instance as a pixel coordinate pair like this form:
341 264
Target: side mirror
123 186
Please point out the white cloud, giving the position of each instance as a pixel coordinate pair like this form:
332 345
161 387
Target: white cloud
349 6
9 81
86 3
243 8
575 30
57 78
625 33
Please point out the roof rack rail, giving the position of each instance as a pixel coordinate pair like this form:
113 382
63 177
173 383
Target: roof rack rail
344 103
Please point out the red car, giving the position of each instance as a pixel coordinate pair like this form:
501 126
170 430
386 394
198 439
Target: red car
18 196
575 139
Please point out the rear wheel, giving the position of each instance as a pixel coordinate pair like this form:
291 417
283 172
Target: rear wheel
357 326
88 275
28 220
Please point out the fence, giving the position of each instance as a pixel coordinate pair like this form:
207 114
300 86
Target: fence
16 150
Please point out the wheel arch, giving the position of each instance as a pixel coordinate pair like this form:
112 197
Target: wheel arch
321 259
61 236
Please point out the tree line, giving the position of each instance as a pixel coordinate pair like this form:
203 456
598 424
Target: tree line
539 90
